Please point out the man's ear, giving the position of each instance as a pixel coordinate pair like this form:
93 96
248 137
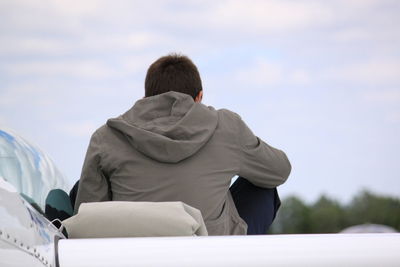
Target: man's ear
199 97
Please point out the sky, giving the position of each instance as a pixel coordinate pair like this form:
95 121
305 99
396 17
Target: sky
317 79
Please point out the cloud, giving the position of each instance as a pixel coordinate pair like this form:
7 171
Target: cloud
260 73
266 73
20 96
386 101
383 96
352 35
254 16
3 121
371 72
67 68
76 19
75 28
300 77
30 45
393 117
90 43
78 128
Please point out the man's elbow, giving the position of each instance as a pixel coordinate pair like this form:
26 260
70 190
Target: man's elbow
283 168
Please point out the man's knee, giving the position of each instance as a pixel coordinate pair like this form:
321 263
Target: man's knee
256 206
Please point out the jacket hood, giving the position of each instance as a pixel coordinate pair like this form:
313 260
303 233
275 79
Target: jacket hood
168 127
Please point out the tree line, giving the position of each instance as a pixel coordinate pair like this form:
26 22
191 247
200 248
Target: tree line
327 215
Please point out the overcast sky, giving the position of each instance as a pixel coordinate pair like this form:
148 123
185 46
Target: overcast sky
318 79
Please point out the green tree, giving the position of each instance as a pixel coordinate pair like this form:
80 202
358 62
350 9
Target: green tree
326 216
329 216
292 217
370 208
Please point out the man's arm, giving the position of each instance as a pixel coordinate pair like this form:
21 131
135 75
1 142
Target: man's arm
261 164
93 184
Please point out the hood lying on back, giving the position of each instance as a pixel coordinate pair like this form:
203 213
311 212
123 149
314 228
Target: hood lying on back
168 127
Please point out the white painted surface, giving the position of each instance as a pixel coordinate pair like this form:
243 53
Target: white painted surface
11 256
26 236
272 250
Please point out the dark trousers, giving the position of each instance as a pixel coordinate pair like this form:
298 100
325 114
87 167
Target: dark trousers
256 206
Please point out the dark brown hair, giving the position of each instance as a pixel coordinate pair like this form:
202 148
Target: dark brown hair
173 72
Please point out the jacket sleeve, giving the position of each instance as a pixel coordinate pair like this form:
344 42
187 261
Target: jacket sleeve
261 164
93 184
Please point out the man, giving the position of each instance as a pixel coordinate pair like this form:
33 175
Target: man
170 147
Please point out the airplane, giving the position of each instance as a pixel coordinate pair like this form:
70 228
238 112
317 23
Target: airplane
28 237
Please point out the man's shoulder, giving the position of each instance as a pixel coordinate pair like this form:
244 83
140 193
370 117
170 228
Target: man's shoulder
230 116
101 131
229 120
228 113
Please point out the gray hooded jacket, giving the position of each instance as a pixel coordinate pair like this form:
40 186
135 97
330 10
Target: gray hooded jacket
169 148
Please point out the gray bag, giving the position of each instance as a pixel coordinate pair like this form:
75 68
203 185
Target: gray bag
135 219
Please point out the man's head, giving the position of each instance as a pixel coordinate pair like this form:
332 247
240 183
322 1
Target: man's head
173 73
